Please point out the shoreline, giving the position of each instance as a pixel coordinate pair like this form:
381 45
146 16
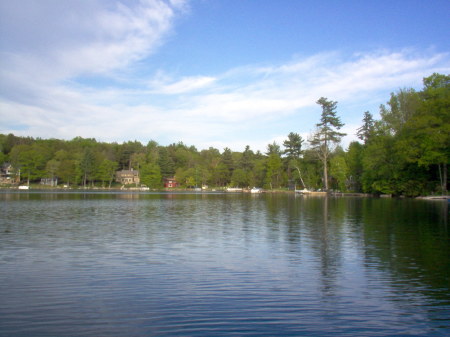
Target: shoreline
37 188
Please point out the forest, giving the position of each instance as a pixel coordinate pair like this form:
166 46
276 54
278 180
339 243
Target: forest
404 153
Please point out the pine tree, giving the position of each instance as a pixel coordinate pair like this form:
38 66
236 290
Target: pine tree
366 130
293 146
326 135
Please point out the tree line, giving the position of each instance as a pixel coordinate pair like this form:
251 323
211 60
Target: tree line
405 152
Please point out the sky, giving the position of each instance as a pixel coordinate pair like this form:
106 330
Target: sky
209 73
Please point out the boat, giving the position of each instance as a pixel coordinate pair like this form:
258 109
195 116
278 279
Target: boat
313 193
303 191
255 190
24 187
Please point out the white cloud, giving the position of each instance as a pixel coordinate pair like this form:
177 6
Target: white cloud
249 105
59 40
184 85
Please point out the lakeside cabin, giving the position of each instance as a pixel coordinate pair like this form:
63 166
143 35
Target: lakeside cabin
126 177
7 173
170 183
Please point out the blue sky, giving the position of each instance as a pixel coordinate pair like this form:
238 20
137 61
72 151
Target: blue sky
221 73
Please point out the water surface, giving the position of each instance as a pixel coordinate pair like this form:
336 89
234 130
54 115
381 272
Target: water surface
134 264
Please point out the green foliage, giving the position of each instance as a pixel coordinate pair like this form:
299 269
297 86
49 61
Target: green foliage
273 148
29 161
431 124
192 176
365 132
220 175
150 175
137 159
329 122
339 172
353 159
165 162
52 167
3 157
68 171
293 147
311 170
240 178
409 151
380 166
126 151
106 171
152 152
406 152
326 134
401 108
273 172
247 159
227 159
87 165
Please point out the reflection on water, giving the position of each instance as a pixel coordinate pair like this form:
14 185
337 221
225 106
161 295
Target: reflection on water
129 264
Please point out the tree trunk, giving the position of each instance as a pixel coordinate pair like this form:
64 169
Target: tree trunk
301 179
325 163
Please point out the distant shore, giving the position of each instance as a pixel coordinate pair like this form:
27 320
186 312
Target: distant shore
38 188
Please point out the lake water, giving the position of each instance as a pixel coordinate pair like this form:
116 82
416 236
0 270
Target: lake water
162 264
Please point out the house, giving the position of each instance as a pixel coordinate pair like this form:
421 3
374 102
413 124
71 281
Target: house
49 181
6 173
170 182
128 177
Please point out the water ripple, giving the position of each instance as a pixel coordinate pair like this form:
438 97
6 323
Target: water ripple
192 265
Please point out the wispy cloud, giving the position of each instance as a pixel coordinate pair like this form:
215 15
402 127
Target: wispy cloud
41 93
164 85
54 41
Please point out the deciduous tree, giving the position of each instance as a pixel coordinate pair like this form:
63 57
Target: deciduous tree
107 171
427 133
28 160
150 175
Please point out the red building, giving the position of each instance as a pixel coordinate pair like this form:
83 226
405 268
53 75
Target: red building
170 183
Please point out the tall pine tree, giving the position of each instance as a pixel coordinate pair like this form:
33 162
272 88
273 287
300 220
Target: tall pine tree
366 130
326 135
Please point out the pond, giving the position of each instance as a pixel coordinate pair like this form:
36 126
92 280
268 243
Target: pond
218 264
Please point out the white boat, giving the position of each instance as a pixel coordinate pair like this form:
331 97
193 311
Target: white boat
312 193
24 187
255 190
303 191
